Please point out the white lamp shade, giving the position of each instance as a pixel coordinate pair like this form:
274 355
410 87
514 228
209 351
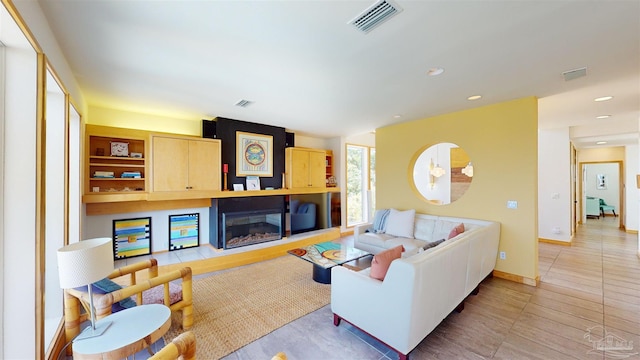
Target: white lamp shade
85 262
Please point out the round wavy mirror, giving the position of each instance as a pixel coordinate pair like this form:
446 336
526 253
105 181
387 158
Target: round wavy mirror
442 173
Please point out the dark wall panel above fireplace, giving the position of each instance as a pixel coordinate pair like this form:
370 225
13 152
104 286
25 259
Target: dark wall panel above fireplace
226 131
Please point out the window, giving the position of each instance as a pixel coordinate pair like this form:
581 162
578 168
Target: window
360 184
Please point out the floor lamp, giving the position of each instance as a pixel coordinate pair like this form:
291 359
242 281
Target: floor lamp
82 264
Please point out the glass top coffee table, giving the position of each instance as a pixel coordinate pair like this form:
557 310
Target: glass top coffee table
326 255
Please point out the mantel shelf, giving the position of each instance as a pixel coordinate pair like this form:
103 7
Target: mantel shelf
183 195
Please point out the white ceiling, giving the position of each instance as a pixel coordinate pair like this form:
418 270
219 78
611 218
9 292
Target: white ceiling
305 69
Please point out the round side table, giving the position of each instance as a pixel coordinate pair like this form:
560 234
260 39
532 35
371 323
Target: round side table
131 330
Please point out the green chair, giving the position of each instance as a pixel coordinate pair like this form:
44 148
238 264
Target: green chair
604 207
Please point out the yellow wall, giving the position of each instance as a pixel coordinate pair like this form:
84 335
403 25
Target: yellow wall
501 141
140 121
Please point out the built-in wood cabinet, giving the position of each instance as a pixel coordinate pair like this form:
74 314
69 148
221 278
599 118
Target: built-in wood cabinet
185 164
115 164
305 168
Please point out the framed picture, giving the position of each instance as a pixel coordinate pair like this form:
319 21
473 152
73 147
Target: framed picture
601 182
184 231
254 154
253 183
131 237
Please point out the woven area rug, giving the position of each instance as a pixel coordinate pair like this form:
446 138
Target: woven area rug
232 308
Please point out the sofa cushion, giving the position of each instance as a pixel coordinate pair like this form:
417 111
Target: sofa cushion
407 243
293 206
459 229
400 223
378 240
424 226
381 262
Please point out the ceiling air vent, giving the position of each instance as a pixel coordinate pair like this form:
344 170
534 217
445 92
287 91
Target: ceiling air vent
376 14
244 103
574 74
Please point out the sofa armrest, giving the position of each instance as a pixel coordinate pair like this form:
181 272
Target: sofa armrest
381 308
360 229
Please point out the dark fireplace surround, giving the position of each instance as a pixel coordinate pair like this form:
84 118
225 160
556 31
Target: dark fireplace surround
248 220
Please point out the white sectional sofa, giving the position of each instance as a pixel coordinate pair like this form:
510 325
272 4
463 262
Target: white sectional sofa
418 291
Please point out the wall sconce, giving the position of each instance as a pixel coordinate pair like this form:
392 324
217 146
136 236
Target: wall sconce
468 170
437 171
432 179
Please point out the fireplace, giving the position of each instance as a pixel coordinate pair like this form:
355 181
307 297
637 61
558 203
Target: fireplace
251 227
245 221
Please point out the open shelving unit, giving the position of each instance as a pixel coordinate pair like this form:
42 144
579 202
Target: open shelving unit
99 159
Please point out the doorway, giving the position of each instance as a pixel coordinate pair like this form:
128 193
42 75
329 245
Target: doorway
601 182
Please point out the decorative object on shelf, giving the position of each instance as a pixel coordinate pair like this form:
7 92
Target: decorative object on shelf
284 180
100 152
184 231
238 187
96 189
253 183
81 264
136 155
119 148
331 181
601 183
103 174
254 154
225 171
131 175
131 237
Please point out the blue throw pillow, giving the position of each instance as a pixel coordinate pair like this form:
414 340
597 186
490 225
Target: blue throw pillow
380 220
105 286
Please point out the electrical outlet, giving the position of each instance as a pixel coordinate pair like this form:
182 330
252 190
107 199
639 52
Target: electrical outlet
503 255
512 204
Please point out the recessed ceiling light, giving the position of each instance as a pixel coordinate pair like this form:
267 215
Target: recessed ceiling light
435 71
603 116
601 142
604 98
397 116
474 97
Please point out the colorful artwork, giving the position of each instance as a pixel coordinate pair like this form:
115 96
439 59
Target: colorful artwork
184 231
254 154
131 237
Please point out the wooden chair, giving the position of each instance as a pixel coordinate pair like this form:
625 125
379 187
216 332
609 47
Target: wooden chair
135 285
182 347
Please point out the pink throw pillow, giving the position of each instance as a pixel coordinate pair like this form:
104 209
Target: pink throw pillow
381 262
459 229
